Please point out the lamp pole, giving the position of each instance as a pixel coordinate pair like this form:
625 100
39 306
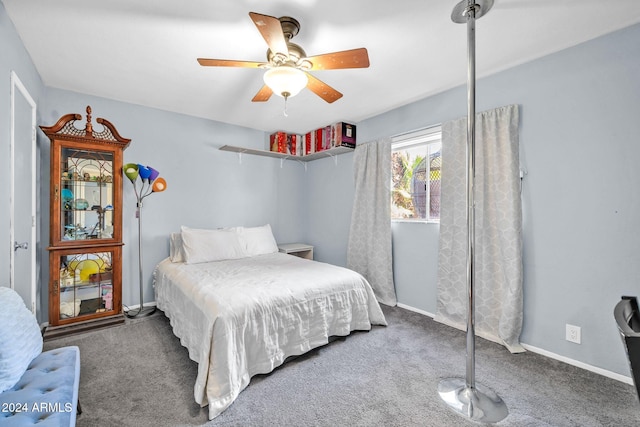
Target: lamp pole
141 311
154 185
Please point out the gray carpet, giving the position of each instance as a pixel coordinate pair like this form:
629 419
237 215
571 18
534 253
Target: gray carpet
138 374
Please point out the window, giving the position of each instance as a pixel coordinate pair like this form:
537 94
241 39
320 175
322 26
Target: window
415 175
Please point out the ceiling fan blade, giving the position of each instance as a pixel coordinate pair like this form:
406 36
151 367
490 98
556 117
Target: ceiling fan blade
271 30
322 89
354 58
205 62
263 94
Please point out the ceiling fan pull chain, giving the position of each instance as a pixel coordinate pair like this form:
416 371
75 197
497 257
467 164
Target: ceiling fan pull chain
285 106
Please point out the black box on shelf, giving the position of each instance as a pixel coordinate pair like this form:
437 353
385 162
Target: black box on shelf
343 135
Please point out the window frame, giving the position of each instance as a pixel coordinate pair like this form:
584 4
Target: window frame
426 137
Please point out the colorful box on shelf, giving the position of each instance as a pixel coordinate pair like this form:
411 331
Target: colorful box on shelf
343 135
319 139
309 146
286 143
339 134
278 142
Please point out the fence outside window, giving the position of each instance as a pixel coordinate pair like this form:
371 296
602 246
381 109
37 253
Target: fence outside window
415 174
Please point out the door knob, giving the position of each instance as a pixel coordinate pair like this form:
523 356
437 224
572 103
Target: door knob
23 245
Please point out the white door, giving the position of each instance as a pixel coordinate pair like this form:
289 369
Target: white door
22 262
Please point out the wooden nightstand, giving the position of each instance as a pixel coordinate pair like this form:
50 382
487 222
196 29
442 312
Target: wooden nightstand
298 249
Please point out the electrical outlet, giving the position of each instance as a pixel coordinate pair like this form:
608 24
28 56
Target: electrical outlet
573 334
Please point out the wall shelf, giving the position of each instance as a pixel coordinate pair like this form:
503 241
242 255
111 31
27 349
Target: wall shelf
320 155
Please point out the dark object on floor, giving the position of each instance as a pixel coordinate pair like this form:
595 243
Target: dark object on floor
628 319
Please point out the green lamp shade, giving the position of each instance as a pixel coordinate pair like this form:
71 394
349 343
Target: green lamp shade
131 171
159 185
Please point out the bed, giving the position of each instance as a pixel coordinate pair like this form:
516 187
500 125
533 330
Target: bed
241 308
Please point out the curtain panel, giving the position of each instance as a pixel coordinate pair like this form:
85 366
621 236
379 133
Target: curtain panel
498 228
369 247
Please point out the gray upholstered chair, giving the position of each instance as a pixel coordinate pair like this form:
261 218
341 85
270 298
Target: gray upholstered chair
628 320
35 387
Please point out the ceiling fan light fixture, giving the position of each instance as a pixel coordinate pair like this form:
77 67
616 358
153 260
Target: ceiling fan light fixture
286 81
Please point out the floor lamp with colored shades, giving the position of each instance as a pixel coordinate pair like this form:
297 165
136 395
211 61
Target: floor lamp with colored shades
150 183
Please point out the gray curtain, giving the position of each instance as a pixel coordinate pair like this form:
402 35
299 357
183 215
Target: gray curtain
498 224
369 248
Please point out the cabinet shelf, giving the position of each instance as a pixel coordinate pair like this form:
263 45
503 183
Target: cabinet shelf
81 181
84 210
319 155
83 285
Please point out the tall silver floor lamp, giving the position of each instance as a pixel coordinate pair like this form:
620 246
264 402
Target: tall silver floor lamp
151 183
465 396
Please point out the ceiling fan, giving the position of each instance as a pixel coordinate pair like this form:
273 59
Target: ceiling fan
287 63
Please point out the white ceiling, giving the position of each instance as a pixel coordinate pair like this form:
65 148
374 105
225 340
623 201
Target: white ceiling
144 52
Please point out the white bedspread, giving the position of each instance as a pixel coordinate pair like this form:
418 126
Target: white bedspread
243 317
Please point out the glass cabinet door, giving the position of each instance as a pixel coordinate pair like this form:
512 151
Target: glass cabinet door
86 285
86 195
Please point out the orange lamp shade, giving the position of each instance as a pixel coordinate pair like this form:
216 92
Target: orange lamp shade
159 185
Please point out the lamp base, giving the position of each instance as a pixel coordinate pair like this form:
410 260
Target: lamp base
479 404
140 312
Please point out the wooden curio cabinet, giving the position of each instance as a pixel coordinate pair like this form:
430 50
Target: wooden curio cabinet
85 225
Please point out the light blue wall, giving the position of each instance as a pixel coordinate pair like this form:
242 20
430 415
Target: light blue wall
13 57
329 199
580 127
206 187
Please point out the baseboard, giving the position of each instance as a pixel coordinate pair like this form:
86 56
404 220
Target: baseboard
53 332
417 310
126 308
542 352
582 365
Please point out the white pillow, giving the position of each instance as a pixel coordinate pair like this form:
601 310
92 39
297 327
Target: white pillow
176 249
20 338
210 245
257 240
